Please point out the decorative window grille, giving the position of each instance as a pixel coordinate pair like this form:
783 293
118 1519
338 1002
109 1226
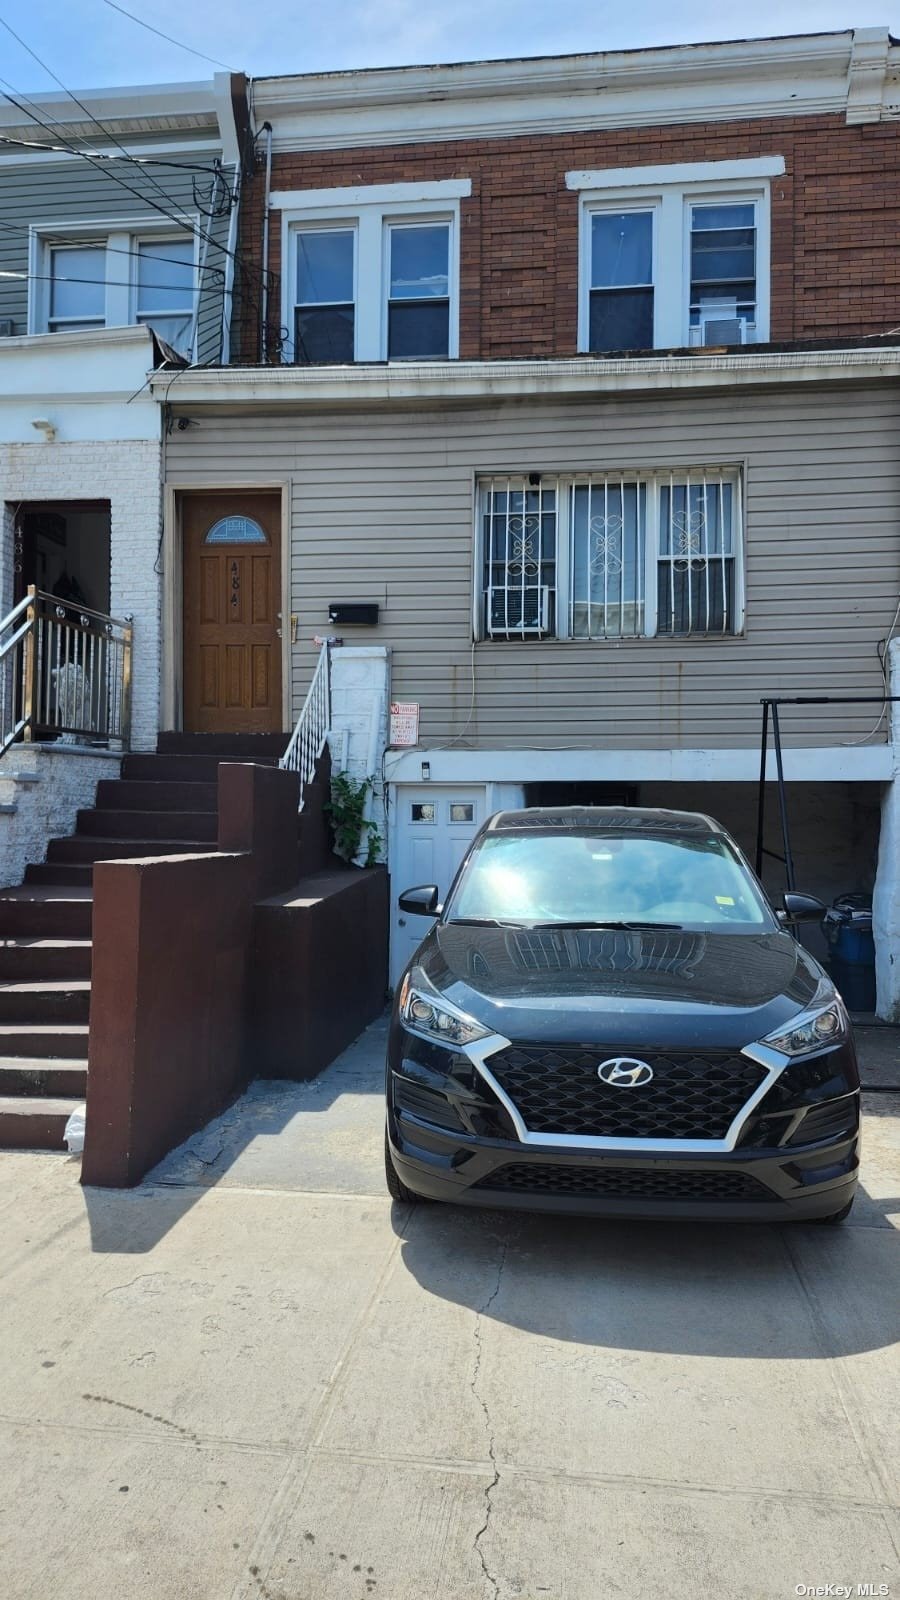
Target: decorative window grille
643 554
519 542
696 562
608 558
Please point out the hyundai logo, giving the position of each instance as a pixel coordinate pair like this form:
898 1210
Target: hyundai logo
624 1072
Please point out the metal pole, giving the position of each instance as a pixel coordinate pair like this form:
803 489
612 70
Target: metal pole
267 129
782 801
761 797
31 664
127 639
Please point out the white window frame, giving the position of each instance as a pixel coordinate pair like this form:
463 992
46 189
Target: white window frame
370 209
121 238
341 225
670 191
656 479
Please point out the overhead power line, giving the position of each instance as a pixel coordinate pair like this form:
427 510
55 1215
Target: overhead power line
102 155
168 37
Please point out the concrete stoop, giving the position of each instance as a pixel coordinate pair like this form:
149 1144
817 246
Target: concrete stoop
162 805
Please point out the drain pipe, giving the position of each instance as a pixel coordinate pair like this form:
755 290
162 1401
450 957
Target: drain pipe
267 130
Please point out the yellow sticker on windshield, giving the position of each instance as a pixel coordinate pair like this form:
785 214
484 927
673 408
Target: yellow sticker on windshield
724 900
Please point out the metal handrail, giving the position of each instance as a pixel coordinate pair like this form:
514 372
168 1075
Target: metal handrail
310 735
65 673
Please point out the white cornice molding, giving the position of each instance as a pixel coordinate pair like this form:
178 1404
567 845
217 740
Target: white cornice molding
152 109
297 387
853 73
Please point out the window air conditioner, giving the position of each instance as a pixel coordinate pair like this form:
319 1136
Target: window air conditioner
720 324
513 612
6 327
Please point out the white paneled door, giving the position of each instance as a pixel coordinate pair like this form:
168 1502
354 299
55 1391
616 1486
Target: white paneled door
432 825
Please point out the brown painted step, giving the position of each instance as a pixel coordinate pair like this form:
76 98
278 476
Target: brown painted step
35 911
227 746
148 824
34 1124
46 1001
66 1041
120 794
79 849
21 959
179 768
22 1075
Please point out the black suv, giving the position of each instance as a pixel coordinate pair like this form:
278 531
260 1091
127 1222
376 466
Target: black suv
608 1016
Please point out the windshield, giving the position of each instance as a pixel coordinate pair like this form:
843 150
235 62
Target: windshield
587 876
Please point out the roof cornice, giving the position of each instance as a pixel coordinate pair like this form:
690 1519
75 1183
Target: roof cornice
293 388
151 108
856 73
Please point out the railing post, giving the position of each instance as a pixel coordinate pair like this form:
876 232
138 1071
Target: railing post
29 680
127 639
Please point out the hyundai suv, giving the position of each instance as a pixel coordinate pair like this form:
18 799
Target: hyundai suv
609 1016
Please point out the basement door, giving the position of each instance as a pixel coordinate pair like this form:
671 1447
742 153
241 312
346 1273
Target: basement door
232 612
434 825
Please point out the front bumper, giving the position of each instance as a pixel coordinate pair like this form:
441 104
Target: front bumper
796 1184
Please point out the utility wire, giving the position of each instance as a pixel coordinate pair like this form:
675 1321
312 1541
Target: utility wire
107 134
168 37
103 155
67 241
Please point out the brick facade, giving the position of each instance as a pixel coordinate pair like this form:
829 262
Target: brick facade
127 474
835 222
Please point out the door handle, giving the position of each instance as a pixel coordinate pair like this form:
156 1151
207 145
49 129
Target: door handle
278 631
402 921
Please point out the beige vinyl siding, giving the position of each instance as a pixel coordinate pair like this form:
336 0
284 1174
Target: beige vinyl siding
382 509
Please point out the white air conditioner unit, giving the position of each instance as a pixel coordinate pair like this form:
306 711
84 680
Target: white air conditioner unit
514 612
720 324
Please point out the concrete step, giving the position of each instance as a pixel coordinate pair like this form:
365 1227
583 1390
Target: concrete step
81 848
225 746
148 824
24 959
23 1075
28 1123
41 911
119 794
46 1001
62 873
55 1041
174 769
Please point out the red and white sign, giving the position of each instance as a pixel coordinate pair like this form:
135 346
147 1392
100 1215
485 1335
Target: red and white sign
404 722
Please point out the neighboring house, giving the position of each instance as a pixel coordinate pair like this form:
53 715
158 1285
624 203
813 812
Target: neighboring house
118 235
584 371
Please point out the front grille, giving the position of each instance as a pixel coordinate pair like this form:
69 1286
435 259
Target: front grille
557 1090
623 1183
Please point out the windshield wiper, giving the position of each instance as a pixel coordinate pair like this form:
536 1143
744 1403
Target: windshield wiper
627 927
486 922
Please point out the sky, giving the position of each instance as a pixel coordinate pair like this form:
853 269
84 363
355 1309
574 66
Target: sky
88 44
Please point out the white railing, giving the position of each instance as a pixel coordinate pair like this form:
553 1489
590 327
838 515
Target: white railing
309 737
65 673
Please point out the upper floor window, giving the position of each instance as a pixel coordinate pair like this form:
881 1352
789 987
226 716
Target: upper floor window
372 272
611 555
674 256
121 276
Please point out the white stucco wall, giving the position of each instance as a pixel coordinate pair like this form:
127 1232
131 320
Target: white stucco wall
360 700
127 474
42 788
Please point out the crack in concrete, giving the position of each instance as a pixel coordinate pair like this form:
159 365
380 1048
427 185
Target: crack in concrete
489 1489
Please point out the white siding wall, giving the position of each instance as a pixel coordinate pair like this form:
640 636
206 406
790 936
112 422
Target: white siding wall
382 509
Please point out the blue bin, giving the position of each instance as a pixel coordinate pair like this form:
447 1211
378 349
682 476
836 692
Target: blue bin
848 929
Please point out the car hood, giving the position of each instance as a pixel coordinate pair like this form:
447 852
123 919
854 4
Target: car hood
626 989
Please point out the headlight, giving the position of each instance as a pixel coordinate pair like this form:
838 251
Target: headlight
812 1030
436 1018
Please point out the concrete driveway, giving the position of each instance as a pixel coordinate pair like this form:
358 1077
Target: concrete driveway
254 1379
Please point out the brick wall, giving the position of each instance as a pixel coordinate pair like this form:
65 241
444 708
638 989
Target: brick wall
835 220
127 474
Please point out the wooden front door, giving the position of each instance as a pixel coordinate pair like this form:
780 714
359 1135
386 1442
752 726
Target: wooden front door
232 612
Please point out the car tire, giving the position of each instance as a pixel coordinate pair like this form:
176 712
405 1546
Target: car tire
838 1216
395 1186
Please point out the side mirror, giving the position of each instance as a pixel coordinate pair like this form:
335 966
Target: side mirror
423 901
803 907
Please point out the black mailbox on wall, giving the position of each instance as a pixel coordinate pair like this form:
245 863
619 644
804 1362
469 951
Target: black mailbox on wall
348 612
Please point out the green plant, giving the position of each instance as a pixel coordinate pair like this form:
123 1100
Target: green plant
349 823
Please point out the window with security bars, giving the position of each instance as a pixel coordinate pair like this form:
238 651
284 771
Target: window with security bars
519 544
630 555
